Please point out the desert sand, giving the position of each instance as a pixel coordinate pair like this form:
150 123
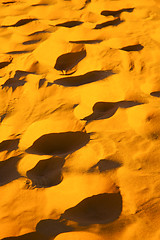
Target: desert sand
80 119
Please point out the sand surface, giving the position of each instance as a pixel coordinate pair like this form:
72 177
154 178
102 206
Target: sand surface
80 119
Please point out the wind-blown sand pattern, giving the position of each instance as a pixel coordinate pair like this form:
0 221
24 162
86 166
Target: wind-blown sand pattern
79 119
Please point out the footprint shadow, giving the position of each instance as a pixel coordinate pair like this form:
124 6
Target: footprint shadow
87 41
132 48
98 209
5 64
7 3
155 94
114 22
20 22
52 228
46 229
105 165
69 24
47 172
116 13
89 77
9 145
8 170
17 80
66 62
31 42
28 236
104 110
59 143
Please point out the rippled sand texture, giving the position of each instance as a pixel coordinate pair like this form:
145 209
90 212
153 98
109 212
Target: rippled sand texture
79 119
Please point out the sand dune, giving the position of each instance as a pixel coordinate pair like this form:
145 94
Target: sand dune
79 119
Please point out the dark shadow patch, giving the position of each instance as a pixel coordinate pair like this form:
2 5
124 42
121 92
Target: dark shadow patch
13 83
103 110
5 64
39 4
52 228
3 117
9 145
31 42
87 41
105 165
128 104
20 73
59 143
85 5
8 170
114 22
20 23
38 32
47 172
18 52
68 61
41 82
155 94
89 77
98 209
17 80
137 47
5 3
69 24
28 236
116 13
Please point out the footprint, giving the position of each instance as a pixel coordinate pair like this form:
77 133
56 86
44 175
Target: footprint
9 145
69 24
82 79
47 172
68 61
59 143
105 165
116 13
98 209
114 22
103 110
137 47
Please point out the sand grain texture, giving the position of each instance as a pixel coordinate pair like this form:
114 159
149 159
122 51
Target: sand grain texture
79 120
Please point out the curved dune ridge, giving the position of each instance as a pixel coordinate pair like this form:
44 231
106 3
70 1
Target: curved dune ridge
79 119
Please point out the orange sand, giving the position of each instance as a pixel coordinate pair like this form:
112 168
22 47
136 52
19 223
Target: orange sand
80 119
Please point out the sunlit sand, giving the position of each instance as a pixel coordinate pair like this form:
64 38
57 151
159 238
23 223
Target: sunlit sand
79 119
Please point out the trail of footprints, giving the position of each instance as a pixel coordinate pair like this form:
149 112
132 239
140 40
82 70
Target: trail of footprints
98 209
